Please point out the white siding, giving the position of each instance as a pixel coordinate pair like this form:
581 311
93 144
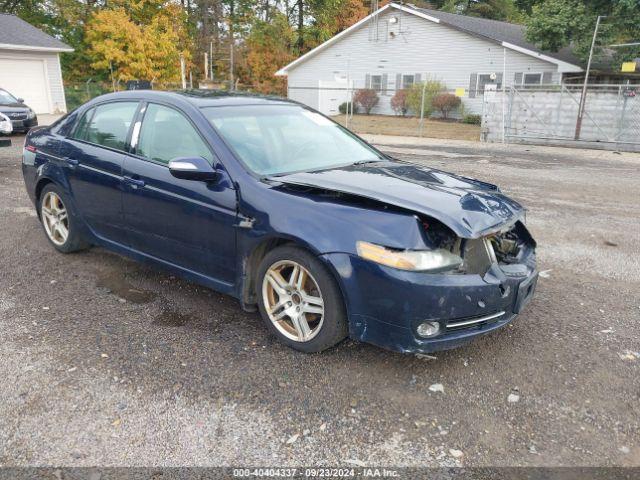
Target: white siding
53 79
418 46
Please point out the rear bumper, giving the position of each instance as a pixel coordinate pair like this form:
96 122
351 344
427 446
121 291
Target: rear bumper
386 305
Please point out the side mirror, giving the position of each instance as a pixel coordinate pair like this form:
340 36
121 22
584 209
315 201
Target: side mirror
192 168
20 100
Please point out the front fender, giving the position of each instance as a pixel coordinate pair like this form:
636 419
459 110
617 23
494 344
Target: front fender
326 223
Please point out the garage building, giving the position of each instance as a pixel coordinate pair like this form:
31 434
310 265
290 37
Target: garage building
30 65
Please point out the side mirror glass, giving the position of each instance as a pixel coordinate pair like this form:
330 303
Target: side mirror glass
192 168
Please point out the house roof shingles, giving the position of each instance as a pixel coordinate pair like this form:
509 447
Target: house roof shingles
496 31
16 32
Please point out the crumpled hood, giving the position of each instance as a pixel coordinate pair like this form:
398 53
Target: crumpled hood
469 207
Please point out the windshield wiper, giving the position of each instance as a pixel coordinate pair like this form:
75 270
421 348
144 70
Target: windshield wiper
364 162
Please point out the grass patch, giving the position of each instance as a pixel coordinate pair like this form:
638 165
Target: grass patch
409 127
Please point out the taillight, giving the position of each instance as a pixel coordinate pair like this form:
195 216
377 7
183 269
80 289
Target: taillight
31 148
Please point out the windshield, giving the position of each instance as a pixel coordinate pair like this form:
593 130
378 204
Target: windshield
6 97
278 139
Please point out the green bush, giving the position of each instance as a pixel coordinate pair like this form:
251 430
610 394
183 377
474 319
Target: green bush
414 96
344 106
472 119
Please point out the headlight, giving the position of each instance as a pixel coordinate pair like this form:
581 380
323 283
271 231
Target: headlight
416 260
30 114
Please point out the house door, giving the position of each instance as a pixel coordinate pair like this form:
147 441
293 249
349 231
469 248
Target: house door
331 94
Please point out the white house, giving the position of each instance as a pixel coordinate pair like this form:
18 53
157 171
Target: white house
401 44
30 65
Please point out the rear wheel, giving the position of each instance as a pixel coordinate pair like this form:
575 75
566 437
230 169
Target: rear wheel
300 301
59 225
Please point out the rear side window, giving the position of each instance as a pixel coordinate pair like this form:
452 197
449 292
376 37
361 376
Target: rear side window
167 134
109 125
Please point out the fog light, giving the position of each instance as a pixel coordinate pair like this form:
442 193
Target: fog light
428 329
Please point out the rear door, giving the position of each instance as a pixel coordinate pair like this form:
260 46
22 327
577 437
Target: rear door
93 158
187 223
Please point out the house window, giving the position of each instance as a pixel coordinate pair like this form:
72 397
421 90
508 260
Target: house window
532 79
376 82
485 79
407 81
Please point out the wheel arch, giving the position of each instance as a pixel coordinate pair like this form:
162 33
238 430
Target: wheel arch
251 262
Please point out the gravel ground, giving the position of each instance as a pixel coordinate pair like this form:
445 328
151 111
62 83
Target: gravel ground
107 362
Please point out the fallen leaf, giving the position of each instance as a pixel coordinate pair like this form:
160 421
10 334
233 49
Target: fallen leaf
455 453
544 274
293 438
437 387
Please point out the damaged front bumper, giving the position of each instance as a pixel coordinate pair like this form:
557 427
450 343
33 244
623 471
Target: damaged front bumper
387 305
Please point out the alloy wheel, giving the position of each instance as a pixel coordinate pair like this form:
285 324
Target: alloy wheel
55 218
293 300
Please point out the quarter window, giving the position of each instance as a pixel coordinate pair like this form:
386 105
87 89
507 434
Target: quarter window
109 125
81 129
167 134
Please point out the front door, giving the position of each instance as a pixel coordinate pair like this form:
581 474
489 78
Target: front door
186 223
93 157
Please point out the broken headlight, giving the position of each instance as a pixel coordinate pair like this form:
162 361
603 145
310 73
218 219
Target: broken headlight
437 260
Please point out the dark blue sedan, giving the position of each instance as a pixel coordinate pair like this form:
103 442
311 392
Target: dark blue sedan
277 205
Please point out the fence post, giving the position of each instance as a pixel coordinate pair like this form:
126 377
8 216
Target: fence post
424 88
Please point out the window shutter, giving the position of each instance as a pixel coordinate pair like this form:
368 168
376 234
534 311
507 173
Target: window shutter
367 81
416 78
385 81
517 78
499 79
473 82
398 81
547 78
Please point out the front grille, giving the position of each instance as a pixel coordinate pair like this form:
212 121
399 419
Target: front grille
16 116
471 322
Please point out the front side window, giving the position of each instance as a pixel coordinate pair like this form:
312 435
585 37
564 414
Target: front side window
279 139
109 125
167 134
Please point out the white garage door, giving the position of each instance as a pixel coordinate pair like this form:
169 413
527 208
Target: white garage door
26 79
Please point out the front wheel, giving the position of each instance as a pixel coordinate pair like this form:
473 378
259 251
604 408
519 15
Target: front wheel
300 301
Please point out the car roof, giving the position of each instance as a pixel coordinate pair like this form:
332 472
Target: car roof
201 98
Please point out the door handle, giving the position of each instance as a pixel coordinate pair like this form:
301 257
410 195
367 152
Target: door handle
71 162
134 182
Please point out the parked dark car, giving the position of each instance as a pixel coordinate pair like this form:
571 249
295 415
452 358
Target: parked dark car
273 203
22 117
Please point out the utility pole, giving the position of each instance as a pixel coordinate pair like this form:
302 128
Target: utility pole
183 76
211 60
583 97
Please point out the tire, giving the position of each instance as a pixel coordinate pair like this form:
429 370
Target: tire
72 241
323 330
